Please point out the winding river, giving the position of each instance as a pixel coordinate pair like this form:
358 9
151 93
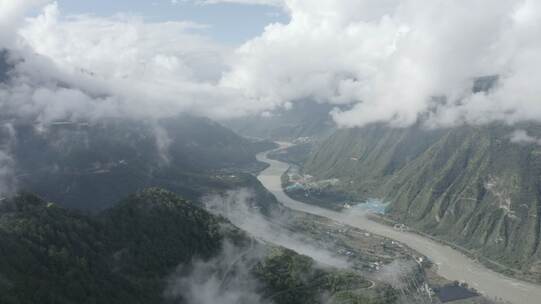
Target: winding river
452 264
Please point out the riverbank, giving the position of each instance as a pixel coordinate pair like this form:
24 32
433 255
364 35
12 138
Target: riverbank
452 264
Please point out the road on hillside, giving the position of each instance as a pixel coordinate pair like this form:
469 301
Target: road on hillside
452 264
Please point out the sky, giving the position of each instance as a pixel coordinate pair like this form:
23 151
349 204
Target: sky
378 61
230 23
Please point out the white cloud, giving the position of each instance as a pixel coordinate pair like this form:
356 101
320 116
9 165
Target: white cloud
388 58
385 59
12 13
522 137
86 67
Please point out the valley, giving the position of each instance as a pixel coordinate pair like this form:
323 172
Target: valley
270 152
451 264
154 247
473 186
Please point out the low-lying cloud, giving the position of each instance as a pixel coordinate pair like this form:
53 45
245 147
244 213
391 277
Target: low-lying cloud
7 164
238 207
522 137
225 279
12 14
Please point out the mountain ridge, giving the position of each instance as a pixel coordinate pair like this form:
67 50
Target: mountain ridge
90 165
137 251
469 185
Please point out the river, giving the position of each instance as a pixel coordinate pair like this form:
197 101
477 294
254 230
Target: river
452 264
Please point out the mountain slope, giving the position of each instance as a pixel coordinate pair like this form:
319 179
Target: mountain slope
89 166
304 119
140 250
468 185
53 255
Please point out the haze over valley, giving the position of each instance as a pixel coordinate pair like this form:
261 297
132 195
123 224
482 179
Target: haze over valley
270 151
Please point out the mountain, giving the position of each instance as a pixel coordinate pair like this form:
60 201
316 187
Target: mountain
90 165
54 255
144 250
305 119
477 187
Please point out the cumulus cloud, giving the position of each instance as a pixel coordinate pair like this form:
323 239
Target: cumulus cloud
388 59
7 164
88 67
379 61
163 143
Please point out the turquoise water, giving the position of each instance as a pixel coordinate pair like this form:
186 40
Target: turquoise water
373 205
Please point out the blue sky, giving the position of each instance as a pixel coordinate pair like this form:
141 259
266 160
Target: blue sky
229 23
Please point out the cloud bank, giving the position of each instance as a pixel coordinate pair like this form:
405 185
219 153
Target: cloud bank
388 59
522 137
87 67
12 14
380 61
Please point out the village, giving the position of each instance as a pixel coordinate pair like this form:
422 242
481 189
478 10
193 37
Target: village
372 255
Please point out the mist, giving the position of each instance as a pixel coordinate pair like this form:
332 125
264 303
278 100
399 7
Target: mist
92 108
238 207
522 137
388 59
225 279
7 181
87 68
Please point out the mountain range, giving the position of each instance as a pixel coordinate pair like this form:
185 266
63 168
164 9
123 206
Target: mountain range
154 247
89 166
476 186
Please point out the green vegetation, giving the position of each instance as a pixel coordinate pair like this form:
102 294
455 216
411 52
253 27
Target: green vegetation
90 166
126 254
53 255
468 185
292 278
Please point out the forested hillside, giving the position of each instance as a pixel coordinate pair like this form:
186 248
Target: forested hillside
91 165
144 250
476 186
